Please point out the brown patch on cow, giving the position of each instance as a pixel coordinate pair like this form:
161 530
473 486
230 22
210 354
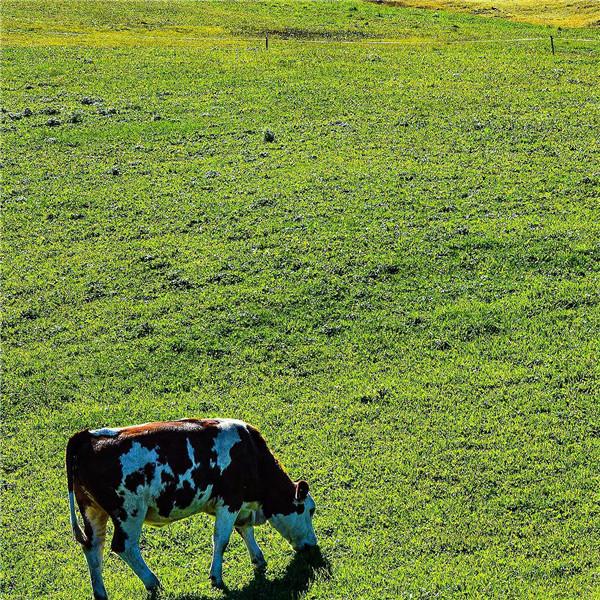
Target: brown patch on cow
166 500
172 449
135 430
119 537
140 477
275 478
184 495
88 508
157 426
202 422
255 475
134 480
96 471
301 491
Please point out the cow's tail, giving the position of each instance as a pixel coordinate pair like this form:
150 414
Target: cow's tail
71 464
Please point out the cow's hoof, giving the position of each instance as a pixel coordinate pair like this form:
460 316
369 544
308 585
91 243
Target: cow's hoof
217 583
154 589
100 597
260 567
154 592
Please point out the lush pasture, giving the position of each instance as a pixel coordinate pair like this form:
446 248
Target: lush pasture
401 290
572 13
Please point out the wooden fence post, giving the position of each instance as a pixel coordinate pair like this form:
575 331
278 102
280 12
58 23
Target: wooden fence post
552 44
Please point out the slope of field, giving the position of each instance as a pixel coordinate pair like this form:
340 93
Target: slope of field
559 13
400 291
162 22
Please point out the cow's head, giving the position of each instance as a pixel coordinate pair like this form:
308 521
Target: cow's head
296 526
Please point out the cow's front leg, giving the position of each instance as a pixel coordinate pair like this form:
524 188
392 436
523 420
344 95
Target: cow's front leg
224 523
256 555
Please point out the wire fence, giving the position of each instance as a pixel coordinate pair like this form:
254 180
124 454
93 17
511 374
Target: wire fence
268 39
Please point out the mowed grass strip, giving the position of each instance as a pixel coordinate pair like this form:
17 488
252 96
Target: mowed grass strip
400 291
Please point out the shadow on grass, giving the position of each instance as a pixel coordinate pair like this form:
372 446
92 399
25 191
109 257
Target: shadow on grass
299 574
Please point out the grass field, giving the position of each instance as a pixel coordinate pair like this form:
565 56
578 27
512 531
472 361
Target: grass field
560 13
401 290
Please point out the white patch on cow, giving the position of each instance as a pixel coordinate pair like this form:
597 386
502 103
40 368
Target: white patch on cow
143 499
115 431
297 528
224 523
190 450
256 555
77 533
106 431
226 439
137 458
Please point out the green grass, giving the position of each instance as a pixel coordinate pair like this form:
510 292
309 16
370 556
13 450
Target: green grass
401 291
574 13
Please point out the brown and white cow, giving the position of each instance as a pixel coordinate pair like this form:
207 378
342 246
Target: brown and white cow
161 472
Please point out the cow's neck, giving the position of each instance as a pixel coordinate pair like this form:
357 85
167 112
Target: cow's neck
277 488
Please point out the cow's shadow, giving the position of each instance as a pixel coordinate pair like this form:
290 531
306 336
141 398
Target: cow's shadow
299 574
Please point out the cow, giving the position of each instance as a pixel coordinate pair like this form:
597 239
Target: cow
157 473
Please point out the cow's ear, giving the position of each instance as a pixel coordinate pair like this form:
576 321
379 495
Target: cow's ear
301 491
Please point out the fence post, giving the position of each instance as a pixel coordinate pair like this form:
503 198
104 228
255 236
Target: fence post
552 44
267 40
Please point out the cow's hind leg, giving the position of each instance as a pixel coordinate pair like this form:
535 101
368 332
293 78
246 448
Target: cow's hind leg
224 523
126 544
256 555
94 522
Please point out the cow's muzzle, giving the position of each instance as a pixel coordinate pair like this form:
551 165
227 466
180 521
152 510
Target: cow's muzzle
306 547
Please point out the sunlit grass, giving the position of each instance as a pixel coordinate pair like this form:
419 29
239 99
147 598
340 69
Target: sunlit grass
559 13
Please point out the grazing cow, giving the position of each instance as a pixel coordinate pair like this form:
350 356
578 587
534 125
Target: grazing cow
162 472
